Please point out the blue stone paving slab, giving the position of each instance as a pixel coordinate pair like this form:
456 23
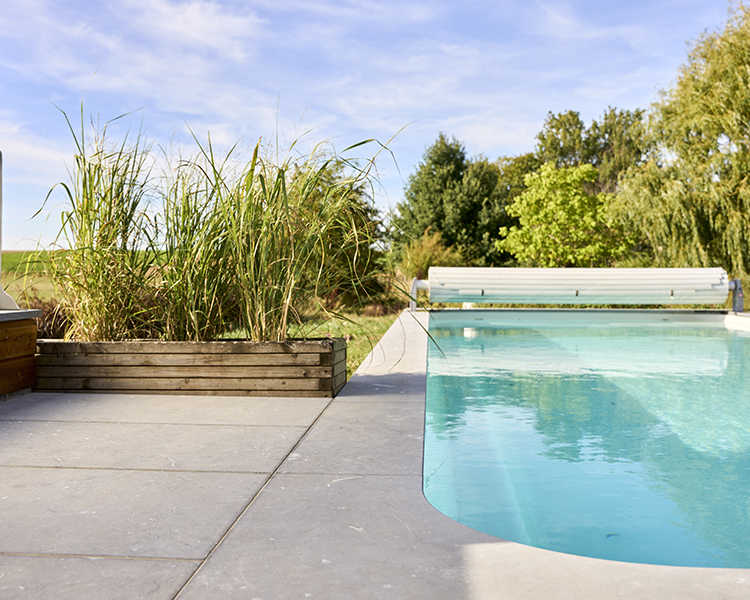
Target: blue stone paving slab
77 578
171 447
106 512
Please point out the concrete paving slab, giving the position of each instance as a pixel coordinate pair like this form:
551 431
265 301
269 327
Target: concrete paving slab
399 387
97 512
142 408
74 578
145 446
363 438
338 537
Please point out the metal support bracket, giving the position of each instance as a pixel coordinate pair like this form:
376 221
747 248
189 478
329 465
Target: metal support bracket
738 303
6 302
417 284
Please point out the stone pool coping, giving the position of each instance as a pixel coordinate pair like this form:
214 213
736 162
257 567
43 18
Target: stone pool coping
122 496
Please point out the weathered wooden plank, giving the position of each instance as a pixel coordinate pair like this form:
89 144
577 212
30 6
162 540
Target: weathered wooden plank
192 372
338 356
338 344
17 374
168 360
219 347
338 382
297 368
175 384
239 393
17 338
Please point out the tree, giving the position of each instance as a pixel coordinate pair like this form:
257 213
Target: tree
563 140
481 250
612 145
616 143
423 208
690 202
561 225
462 200
475 208
513 172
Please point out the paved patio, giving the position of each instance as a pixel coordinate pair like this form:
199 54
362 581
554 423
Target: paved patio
160 497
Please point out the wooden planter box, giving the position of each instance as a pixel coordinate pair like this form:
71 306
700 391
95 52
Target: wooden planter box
17 362
223 368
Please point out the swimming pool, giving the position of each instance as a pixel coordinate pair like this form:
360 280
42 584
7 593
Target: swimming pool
622 435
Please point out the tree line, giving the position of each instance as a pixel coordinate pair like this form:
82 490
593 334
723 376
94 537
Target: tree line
665 187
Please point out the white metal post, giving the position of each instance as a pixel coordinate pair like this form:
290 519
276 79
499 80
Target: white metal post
6 302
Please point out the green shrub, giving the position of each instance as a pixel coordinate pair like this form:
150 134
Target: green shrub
428 251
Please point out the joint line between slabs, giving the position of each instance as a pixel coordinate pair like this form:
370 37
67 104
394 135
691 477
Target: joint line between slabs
99 556
133 469
252 500
162 423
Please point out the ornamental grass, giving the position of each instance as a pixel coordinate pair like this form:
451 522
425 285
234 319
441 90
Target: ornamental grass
188 248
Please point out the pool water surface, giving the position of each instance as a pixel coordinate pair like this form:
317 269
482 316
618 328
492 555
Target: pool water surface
620 438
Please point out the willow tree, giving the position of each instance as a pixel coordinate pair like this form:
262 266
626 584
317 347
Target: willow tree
690 202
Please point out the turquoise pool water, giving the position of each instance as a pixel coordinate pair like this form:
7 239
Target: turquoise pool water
617 438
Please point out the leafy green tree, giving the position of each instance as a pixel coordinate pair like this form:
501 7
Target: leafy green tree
563 140
428 191
463 200
513 172
616 143
690 202
612 144
476 207
561 225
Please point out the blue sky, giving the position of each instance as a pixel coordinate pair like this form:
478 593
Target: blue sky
486 72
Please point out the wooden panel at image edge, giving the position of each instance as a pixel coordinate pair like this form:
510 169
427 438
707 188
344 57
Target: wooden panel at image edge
17 374
17 339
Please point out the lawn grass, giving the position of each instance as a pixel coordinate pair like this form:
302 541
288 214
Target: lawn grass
362 333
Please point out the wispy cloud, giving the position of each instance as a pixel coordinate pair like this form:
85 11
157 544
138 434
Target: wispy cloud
486 71
192 27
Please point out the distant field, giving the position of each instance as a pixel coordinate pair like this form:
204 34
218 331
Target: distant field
15 261
15 265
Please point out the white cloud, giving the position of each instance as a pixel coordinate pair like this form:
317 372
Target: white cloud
486 71
192 26
29 158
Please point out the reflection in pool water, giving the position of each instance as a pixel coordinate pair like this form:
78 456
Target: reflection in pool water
624 443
